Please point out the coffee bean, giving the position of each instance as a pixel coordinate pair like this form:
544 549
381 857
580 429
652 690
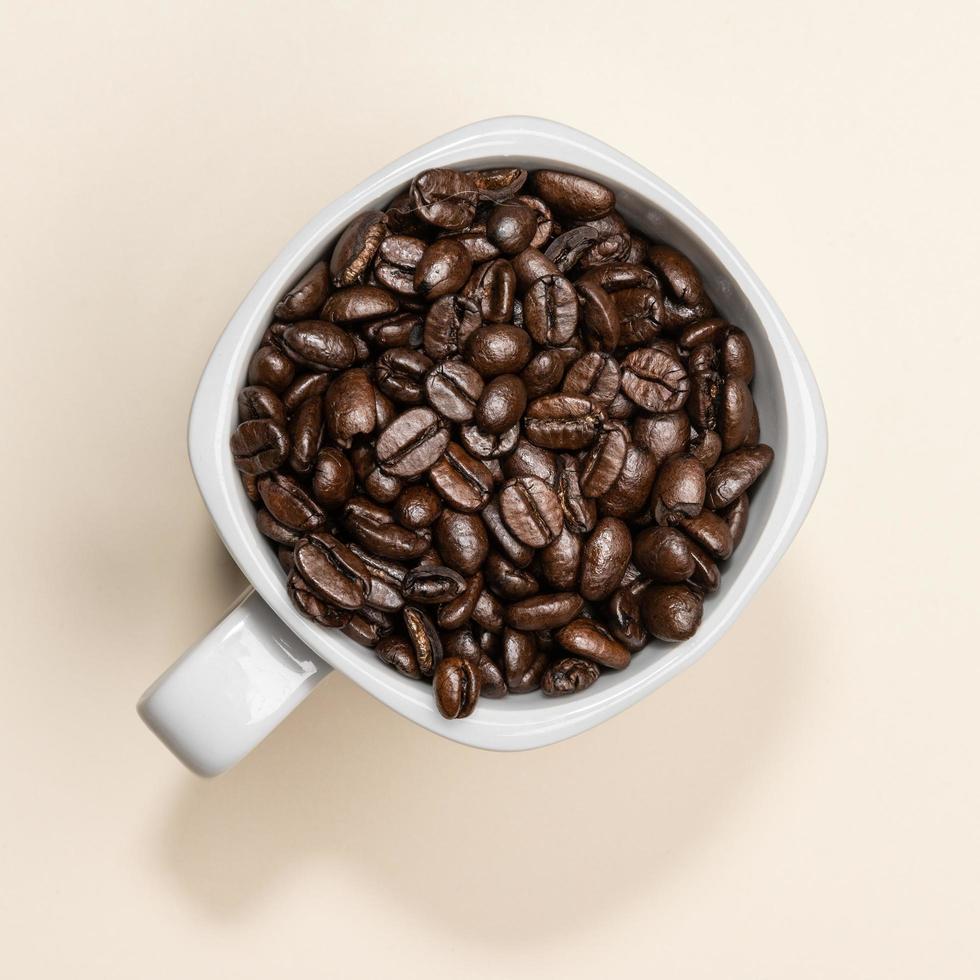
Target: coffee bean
461 643
457 687
314 606
594 376
528 459
523 663
630 490
379 486
735 473
578 197
567 676
461 480
508 581
333 478
529 266
318 345
543 373
448 325
306 297
275 530
737 357
586 638
498 349
501 404
737 518
397 259
679 489
492 287
579 511
271 368
706 448
412 443
492 682
459 611
566 249
625 619
453 389
671 612
432 584
462 540
531 510
374 528
486 445
358 303
350 407
443 268
259 402
655 380
710 331
331 569
517 551
445 198
612 242
562 422
488 612
355 249
736 414
288 503
560 560
544 612
397 652
259 446
424 638
551 310
710 531
511 227
601 465
498 183
417 507
664 435
305 433
605 555
542 214
664 554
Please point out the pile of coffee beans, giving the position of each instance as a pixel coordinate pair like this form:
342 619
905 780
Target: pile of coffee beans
500 437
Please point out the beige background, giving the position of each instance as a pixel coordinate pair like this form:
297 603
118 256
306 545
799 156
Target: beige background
801 804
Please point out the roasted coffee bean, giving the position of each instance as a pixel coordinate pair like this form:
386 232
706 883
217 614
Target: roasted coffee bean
331 569
600 316
664 435
457 687
445 198
459 611
359 303
368 632
305 433
544 612
400 373
531 510
560 561
543 374
706 576
664 554
528 459
737 357
605 555
492 288
400 330
625 619
453 389
404 219
499 183
601 465
736 516
706 448
306 297
517 551
350 407
288 503
432 584
259 402
508 581
735 473
542 215
710 331
397 652
566 249
488 612
501 404
394 267
443 268
703 405
612 243
594 376
754 433
303 387
511 227
379 485
424 638
562 422
678 490
333 478
572 195
620 408
486 445
276 530
259 446
586 638
373 527
567 676
655 380
671 612
578 510
498 349
523 663
679 273
710 531
417 507
492 682
318 345
355 249
448 325
551 310
475 242
250 486
631 489
736 414
462 540
529 266
461 480
314 606
271 368
412 443
461 643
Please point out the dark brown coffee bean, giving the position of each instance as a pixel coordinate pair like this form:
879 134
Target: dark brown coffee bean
397 652
664 554
736 516
551 310
461 480
365 630
448 325
531 510
412 443
542 214
511 227
566 249
359 303
443 268
486 445
305 386
445 198
594 376
306 297
462 540
543 373
498 183
656 381
523 663
356 247
671 612
501 404
275 530
333 478
461 643
601 465
605 555
664 435
498 349
475 243
453 389
736 414
492 682
679 273
735 473
631 489
530 460
517 551
400 373
374 528
488 613
612 242
706 448
573 195
529 266
703 404
432 584
625 619
350 407
567 676
314 606
288 503
561 560
492 288
710 331
600 316
706 576
457 612
579 511
424 638
704 357
403 218
562 422
250 486
271 368
385 580
586 638
544 612
394 267
331 569
710 531
737 357
259 445
507 580
678 490
401 330
378 485
457 687
417 507
259 402
753 435
318 345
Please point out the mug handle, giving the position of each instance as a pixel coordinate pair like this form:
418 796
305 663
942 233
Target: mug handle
230 689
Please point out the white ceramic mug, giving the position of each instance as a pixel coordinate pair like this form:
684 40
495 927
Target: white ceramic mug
228 692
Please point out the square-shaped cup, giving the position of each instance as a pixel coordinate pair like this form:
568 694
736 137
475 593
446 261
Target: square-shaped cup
180 707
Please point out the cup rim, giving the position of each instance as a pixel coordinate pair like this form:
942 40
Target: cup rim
551 720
